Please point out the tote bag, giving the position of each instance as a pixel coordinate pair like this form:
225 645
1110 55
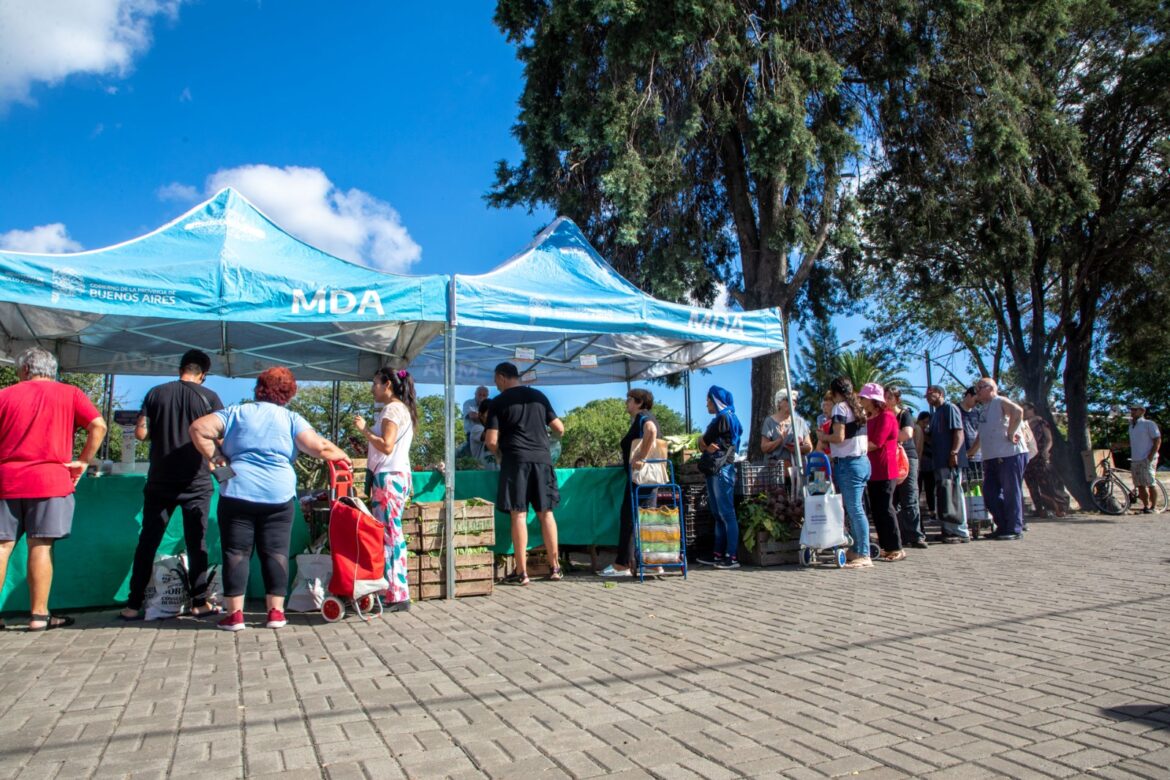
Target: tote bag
650 473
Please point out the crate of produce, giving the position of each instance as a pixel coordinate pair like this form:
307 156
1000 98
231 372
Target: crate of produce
424 525
427 574
769 552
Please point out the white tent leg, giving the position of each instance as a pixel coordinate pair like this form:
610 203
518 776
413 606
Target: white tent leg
797 459
449 457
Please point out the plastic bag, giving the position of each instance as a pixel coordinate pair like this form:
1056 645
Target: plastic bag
903 464
308 592
167 595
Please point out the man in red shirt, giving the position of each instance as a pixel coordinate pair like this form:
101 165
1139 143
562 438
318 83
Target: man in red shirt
38 416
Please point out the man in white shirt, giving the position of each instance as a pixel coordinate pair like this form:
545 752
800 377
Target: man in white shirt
1144 441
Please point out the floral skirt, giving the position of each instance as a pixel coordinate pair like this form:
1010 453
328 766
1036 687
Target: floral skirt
389 495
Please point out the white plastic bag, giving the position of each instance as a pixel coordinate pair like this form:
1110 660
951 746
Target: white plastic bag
824 520
166 595
313 575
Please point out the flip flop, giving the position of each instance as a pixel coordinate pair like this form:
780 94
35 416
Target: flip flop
50 621
139 615
212 609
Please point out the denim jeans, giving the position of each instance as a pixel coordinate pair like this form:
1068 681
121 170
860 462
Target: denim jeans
721 500
851 476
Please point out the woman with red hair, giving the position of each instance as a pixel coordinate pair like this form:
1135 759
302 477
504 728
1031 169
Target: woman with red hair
256 499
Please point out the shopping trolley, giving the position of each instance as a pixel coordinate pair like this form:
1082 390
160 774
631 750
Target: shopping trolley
974 507
357 546
659 524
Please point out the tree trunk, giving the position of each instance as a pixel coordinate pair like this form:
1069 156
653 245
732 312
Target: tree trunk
767 378
1076 399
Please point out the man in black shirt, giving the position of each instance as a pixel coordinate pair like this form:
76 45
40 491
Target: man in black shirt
517 424
178 477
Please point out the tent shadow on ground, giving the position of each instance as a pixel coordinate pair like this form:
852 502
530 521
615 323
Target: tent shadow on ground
1156 715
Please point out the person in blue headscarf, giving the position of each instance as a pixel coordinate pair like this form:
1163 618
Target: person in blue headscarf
721 441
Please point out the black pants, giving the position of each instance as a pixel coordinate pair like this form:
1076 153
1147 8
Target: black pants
909 511
881 509
625 549
268 527
926 486
157 507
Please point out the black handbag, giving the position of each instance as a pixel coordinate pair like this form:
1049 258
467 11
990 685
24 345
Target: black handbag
711 462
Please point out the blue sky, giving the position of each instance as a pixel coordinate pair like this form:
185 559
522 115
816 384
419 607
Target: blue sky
371 131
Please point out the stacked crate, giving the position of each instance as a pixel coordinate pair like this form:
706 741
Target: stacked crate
424 525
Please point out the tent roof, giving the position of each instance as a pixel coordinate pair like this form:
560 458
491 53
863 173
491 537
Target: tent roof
560 299
223 278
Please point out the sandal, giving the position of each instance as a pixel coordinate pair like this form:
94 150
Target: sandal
138 615
859 563
50 621
207 609
515 579
896 555
556 575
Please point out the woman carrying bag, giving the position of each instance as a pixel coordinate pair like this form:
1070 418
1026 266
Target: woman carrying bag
644 430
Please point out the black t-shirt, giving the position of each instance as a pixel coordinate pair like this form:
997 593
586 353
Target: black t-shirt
169 410
634 433
521 415
906 420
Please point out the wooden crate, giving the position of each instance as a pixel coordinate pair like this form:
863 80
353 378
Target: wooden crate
424 525
427 575
769 552
537 561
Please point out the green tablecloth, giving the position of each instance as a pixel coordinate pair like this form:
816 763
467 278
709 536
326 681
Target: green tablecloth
92 567
591 501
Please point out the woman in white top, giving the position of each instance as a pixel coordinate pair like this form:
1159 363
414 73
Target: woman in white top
389 465
849 449
1005 455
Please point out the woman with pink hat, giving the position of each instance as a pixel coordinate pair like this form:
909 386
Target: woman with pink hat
881 430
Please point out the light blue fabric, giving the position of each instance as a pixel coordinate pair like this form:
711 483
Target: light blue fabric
259 441
204 280
851 475
560 291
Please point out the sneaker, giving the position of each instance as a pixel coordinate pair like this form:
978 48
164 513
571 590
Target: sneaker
920 545
233 622
276 619
727 563
398 606
709 560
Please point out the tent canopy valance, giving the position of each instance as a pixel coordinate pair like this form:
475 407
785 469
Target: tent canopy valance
565 316
223 278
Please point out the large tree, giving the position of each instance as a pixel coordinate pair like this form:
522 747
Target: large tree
1025 185
700 143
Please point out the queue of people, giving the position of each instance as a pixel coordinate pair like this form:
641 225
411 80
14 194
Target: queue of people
883 459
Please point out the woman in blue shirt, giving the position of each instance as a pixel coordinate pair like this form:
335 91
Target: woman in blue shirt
257 503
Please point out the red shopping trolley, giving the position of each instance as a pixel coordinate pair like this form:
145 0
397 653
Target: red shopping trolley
357 545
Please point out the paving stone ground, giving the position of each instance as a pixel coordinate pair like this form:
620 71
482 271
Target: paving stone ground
1048 657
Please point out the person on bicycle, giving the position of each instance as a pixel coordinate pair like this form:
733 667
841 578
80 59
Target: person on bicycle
1144 441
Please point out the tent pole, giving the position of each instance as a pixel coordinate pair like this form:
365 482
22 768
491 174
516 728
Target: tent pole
687 399
335 412
797 459
449 445
107 413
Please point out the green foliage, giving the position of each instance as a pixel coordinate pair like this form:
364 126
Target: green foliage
816 365
430 437
704 143
594 431
872 365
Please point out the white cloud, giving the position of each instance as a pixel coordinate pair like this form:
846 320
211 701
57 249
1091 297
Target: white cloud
183 193
46 239
44 42
350 224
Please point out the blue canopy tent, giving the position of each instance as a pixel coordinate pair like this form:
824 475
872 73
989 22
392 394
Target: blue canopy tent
559 301
223 278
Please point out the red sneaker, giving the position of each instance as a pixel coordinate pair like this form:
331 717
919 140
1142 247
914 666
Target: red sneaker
233 622
276 619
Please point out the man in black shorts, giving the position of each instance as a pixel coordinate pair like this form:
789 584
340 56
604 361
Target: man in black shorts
178 477
517 424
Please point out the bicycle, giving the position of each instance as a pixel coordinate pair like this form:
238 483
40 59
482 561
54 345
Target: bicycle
1113 496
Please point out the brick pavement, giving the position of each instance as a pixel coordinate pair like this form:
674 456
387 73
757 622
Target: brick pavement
1043 658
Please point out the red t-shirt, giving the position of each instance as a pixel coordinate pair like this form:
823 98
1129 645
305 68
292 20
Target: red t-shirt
882 432
37 421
